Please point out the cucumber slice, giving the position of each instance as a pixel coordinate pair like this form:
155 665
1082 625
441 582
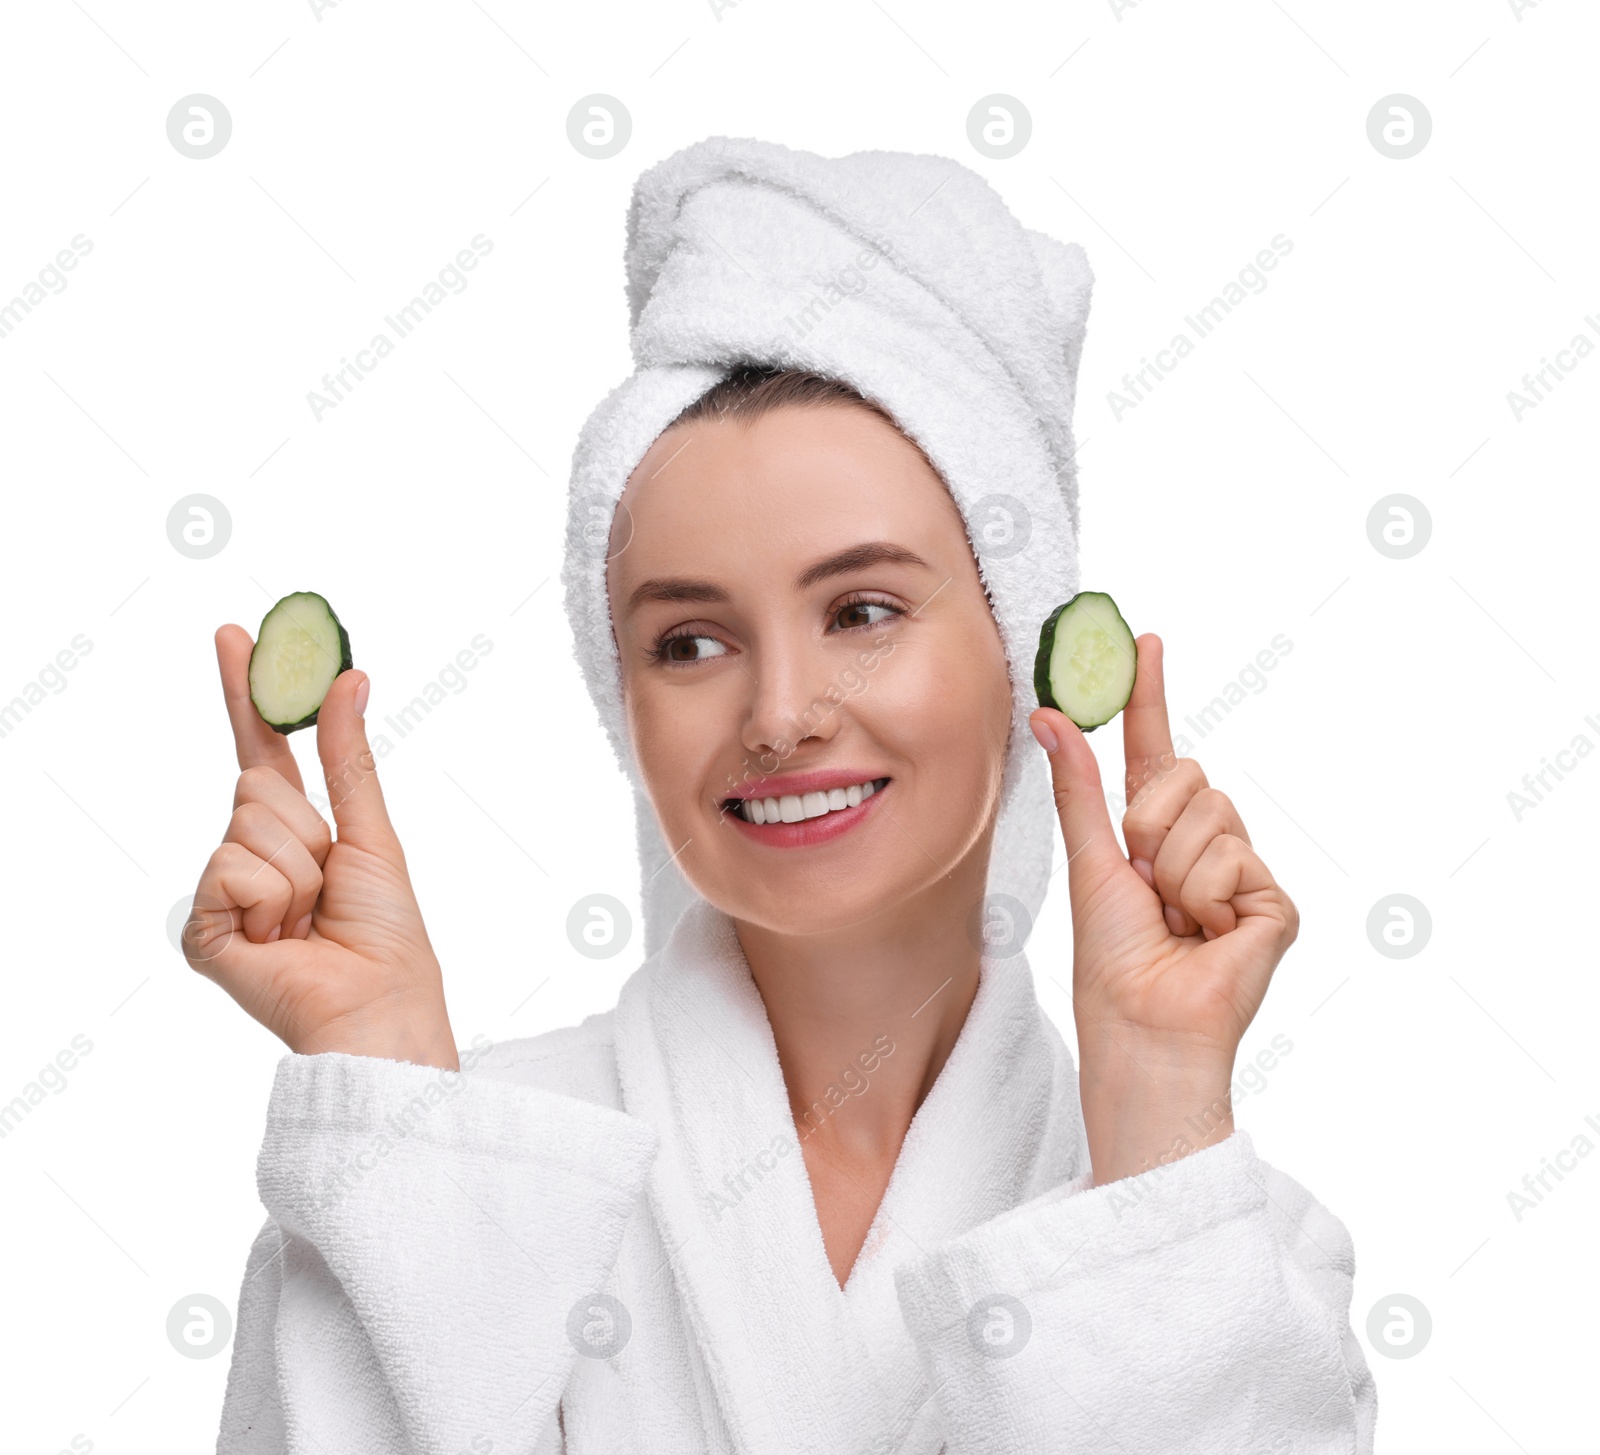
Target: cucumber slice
301 647
1087 660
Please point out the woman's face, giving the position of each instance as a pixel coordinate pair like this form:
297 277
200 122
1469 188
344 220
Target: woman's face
798 613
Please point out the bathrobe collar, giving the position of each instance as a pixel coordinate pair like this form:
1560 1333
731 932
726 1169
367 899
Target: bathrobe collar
793 1361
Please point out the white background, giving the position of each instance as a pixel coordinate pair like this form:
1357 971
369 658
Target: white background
372 142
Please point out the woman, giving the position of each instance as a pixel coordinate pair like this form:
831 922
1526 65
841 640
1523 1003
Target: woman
826 1179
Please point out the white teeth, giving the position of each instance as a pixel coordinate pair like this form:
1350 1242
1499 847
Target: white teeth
793 807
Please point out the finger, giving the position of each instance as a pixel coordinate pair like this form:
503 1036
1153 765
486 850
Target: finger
255 744
1209 814
1230 890
1146 735
238 879
267 786
257 828
216 947
1157 808
351 771
1093 853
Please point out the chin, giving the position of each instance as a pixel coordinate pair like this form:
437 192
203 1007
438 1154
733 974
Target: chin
799 908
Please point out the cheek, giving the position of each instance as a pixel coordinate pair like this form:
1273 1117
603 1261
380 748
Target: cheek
675 738
651 727
971 665
936 703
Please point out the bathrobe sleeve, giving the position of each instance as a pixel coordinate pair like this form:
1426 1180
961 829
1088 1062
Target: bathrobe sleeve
1199 1308
430 1234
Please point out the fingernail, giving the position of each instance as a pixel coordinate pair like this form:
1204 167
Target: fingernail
361 696
1146 871
1047 739
273 933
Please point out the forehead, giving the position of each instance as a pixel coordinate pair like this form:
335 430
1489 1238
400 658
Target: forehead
789 485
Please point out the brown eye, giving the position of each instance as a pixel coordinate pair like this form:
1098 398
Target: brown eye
680 650
853 614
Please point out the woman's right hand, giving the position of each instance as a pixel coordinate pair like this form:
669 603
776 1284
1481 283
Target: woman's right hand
321 940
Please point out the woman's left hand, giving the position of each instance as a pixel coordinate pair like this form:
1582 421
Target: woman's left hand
1174 944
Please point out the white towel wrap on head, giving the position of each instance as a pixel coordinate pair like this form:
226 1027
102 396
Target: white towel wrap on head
907 277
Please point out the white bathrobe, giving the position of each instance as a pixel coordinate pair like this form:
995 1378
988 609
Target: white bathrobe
602 1241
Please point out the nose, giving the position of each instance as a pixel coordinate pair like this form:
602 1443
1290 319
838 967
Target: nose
792 680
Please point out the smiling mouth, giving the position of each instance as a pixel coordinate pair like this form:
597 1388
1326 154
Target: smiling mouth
798 807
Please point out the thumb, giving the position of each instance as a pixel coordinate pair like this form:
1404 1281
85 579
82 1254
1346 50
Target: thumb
350 770
1091 843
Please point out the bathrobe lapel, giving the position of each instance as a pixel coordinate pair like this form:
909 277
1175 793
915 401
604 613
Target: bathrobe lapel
794 1362
1000 1125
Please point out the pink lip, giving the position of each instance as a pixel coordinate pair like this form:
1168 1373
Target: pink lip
808 831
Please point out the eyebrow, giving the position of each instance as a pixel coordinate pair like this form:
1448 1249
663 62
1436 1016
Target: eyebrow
840 563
